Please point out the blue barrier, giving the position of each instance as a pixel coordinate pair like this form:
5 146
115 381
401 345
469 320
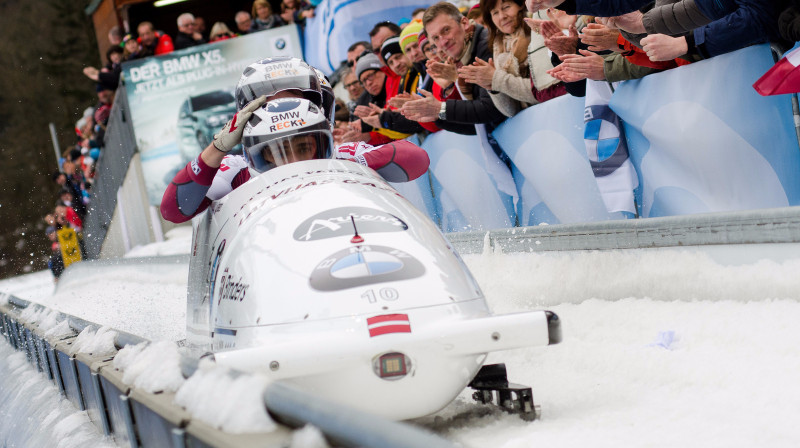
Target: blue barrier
467 194
695 147
711 146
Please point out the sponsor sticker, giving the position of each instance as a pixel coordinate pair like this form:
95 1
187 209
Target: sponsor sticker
364 265
339 222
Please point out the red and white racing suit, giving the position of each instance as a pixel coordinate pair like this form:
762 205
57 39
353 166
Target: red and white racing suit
197 184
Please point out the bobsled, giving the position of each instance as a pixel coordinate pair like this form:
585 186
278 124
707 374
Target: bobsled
320 274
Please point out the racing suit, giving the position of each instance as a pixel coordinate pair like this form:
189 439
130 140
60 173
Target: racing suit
196 185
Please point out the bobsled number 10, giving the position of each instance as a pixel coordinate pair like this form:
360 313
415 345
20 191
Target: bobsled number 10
319 273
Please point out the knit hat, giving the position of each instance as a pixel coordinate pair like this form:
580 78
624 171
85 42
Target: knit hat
410 34
369 61
390 48
423 37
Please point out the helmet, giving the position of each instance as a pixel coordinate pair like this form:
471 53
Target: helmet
272 75
328 97
286 130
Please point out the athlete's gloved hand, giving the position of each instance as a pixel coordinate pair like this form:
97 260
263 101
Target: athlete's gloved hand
231 134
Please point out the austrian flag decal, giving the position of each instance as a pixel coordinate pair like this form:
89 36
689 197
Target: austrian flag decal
388 323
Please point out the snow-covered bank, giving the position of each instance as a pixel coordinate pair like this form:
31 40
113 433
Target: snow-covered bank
662 348
34 414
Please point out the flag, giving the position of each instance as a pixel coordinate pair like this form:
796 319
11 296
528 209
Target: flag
783 77
388 323
607 149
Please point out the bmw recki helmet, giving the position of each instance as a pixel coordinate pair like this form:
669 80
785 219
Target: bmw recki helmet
328 97
273 75
286 130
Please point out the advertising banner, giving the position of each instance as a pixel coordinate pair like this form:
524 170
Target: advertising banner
179 100
467 195
711 146
551 167
337 24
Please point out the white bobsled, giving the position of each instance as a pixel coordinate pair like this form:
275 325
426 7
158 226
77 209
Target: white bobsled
320 274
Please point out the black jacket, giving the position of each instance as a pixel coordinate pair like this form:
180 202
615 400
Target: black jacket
183 40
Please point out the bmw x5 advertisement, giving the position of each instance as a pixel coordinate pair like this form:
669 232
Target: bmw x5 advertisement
179 100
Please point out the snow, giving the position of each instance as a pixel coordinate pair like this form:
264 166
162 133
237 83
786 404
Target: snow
661 348
308 436
97 343
153 367
33 413
233 403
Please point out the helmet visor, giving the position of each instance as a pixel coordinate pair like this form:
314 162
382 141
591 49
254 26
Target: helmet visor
293 148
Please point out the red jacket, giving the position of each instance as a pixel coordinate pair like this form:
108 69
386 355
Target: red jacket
163 43
392 86
637 56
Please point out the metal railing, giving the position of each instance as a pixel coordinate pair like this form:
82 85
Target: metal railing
137 418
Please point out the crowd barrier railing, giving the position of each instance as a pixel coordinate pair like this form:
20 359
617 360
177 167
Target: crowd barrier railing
694 146
138 418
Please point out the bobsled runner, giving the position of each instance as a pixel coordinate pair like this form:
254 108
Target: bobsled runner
320 274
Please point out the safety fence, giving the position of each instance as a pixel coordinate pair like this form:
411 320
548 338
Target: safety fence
112 167
767 226
136 418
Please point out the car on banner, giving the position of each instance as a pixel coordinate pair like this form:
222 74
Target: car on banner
200 117
320 274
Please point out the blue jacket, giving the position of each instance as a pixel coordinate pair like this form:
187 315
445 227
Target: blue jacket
733 24
712 9
754 22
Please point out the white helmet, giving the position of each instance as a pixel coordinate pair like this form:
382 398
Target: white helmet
328 97
286 130
272 75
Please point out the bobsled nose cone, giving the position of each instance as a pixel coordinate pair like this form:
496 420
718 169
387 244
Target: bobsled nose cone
553 327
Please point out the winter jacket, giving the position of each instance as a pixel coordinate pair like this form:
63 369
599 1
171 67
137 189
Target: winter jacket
710 9
748 23
273 21
162 45
394 120
184 40
789 22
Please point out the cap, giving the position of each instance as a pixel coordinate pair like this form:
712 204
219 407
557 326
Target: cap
390 47
410 34
367 62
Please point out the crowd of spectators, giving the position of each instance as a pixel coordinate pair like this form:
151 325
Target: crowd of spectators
463 69
454 68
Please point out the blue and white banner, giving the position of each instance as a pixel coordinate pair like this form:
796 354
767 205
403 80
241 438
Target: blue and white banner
714 145
607 149
419 191
337 24
551 169
467 195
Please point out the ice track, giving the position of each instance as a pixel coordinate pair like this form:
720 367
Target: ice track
662 348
